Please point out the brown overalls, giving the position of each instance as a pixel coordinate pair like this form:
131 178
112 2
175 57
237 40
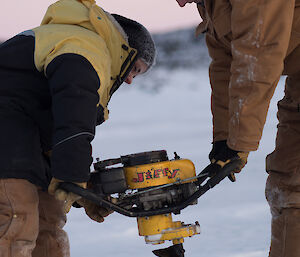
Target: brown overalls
252 43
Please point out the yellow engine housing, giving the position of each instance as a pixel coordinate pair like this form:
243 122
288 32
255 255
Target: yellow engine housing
157 229
159 173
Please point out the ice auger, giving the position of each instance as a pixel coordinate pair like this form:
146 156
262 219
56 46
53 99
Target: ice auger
151 187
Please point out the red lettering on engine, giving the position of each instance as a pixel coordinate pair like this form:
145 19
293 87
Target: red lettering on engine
165 172
173 173
155 174
148 175
140 178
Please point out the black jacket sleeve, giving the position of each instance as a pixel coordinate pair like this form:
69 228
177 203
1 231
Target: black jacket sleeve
73 84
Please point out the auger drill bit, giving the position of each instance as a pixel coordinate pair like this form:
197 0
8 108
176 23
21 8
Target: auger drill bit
172 251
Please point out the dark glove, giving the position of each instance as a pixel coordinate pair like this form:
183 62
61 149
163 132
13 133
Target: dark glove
221 155
67 197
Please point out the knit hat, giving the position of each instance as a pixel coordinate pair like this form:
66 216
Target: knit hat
138 38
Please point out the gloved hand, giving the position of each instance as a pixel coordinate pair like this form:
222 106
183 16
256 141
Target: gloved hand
94 211
68 197
221 155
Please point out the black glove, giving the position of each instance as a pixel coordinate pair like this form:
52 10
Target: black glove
221 155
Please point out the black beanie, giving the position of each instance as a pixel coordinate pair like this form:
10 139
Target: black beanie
138 38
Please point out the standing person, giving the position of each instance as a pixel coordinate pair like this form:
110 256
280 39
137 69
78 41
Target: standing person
252 43
56 82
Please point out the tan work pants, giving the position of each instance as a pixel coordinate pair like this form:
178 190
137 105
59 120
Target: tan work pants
283 184
31 222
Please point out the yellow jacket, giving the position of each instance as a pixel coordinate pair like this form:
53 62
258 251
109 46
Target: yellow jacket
82 27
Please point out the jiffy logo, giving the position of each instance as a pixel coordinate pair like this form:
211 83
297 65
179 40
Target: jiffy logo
154 174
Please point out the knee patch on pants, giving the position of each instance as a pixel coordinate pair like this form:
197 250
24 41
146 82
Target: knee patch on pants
19 217
280 193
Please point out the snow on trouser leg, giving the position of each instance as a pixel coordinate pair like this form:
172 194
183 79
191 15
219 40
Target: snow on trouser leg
283 184
18 217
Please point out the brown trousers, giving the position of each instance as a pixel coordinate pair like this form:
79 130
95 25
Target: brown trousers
31 222
223 21
283 184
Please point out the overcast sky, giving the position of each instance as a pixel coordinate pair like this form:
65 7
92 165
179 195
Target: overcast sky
156 15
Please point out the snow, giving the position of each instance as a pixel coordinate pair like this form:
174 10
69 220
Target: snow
175 116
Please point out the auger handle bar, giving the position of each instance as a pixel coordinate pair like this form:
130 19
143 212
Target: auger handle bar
135 212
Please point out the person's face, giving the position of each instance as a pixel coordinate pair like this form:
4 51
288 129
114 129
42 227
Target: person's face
182 3
138 68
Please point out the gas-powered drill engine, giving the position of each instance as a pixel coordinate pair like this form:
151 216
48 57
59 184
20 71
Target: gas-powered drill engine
150 181
151 187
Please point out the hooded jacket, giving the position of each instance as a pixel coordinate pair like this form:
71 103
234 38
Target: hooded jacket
83 28
58 79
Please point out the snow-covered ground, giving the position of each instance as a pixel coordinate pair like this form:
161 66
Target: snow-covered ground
234 217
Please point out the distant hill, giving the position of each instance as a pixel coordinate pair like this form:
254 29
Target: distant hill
180 49
178 52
